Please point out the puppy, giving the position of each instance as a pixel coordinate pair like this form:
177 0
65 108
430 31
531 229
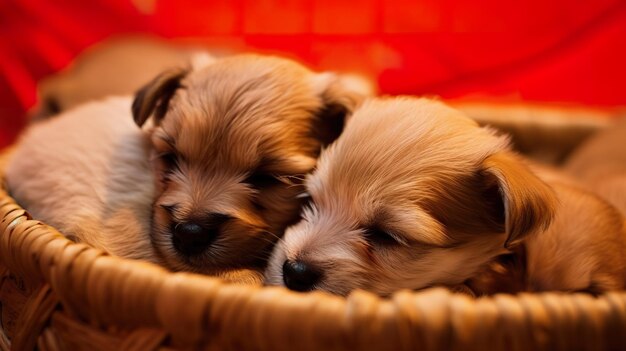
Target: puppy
414 194
87 173
232 139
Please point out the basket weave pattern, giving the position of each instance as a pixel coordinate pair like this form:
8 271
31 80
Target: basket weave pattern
59 295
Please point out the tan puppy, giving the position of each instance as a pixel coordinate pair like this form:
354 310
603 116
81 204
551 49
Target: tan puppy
414 194
600 163
583 249
232 140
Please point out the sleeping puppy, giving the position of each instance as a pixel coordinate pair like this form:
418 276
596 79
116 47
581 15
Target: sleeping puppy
232 139
414 194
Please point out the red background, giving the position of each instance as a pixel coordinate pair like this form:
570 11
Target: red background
559 50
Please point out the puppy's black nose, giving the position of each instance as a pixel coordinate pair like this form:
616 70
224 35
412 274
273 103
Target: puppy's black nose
197 234
192 238
300 276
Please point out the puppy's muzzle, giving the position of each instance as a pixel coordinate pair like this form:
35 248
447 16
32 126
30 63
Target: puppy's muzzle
300 276
195 236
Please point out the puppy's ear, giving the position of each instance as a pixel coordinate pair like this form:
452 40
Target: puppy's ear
154 97
520 201
341 94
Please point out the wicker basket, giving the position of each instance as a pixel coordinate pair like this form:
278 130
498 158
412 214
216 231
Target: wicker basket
58 295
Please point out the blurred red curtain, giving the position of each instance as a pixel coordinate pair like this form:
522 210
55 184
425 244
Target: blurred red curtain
560 50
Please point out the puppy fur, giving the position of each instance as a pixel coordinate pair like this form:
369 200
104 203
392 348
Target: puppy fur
600 163
414 194
87 173
233 139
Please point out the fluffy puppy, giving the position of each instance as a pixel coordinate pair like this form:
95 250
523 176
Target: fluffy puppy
232 140
582 250
87 173
414 194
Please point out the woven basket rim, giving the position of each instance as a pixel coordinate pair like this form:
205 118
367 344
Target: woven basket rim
106 290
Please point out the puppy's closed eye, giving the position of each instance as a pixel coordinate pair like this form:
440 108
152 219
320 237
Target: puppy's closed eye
169 159
166 163
170 209
258 180
377 237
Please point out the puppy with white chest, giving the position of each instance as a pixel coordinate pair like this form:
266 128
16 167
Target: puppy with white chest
232 140
414 194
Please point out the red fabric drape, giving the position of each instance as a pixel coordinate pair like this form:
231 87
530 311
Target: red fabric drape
565 51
